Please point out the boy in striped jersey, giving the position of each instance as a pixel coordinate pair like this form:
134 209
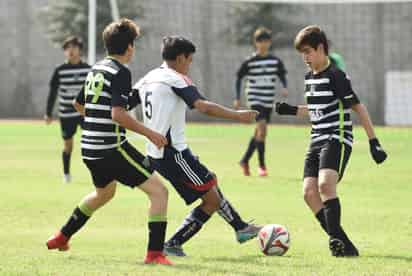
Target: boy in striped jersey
330 99
105 150
67 81
264 75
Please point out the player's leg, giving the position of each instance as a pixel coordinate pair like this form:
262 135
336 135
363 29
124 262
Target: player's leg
244 162
244 231
158 196
192 180
68 129
133 169
260 138
81 215
312 198
333 161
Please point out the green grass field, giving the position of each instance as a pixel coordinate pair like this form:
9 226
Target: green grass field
376 208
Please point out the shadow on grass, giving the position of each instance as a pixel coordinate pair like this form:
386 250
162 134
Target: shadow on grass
391 257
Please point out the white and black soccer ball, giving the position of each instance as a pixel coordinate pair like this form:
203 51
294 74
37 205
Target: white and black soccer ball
274 240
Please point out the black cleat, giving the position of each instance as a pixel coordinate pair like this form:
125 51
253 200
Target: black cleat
337 247
351 251
173 250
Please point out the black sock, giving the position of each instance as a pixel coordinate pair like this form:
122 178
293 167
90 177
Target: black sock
332 217
66 162
229 214
157 232
75 222
260 145
249 152
320 216
190 226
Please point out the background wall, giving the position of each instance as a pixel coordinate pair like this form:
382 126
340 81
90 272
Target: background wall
373 38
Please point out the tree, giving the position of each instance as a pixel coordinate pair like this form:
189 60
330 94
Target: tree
280 18
70 17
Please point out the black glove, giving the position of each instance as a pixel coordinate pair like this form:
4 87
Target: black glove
377 152
286 109
133 99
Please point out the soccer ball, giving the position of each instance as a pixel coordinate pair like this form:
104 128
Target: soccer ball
273 240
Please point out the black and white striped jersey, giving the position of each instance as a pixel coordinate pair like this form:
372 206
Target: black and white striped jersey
108 84
262 77
329 98
67 81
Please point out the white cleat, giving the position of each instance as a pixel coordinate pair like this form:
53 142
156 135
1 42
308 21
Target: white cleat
67 178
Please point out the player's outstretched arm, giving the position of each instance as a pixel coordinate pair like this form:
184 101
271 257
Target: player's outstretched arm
219 111
377 152
120 116
294 110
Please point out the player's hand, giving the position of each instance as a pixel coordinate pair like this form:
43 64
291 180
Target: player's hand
286 109
48 119
247 116
157 139
377 152
236 104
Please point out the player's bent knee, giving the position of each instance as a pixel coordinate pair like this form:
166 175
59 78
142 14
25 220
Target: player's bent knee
309 194
326 189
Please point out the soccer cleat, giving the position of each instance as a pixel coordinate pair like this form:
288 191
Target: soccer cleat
58 241
351 251
173 250
247 233
262 171
245 168
67 178
337 247
157 257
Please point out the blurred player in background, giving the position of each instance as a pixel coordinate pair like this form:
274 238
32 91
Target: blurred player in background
105 149
330 100
263 76
66 82
165 94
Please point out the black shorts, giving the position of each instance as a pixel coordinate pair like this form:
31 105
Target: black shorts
125 165
68 126
264 113
189 177
330 154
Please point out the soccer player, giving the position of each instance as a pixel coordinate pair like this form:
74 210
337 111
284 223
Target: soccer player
165 92
264 75
330 99
105 149
67 81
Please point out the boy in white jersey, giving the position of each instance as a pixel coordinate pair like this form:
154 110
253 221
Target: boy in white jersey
330 99
164 93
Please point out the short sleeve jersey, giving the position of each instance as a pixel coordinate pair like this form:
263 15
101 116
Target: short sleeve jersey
329 97
107 85
165 94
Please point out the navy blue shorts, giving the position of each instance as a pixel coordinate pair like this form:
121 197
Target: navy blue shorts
190 178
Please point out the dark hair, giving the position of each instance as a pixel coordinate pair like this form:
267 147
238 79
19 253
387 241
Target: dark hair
118 35
262 33
173 46
311 36
72 40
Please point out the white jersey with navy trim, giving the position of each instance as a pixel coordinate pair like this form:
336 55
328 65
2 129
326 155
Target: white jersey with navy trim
164 95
